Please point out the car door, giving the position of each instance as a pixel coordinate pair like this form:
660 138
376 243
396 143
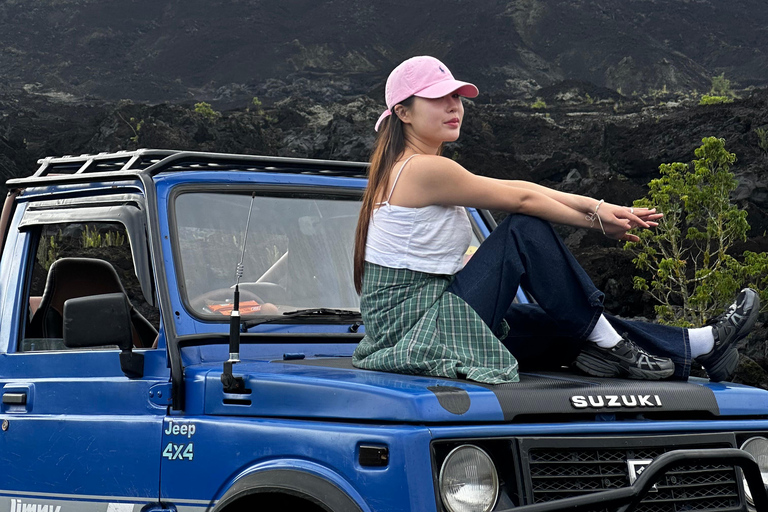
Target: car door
76 432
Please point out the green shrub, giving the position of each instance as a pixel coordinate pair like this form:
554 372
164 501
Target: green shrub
49 250
257 106
762 139
92 238
205 110
721 86
719 92
539 103
136 129
708 99
134 125
685 261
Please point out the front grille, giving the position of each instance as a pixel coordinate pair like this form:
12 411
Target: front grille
574 468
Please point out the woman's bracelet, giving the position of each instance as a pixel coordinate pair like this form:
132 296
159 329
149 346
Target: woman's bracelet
592 216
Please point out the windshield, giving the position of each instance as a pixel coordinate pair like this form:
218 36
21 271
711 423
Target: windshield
298 251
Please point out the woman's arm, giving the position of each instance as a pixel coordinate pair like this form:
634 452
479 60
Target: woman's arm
587 204
577 202
438 180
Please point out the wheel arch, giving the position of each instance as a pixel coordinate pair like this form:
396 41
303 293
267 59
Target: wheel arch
290 485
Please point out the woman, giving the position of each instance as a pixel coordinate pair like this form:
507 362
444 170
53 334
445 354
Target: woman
425 314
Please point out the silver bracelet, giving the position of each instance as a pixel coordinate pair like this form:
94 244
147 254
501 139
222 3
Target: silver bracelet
592 216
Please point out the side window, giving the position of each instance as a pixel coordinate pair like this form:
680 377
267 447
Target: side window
75 260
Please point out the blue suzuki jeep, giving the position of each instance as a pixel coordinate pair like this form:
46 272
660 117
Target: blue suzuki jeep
176 331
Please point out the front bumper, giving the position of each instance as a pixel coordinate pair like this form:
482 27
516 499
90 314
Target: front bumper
628 498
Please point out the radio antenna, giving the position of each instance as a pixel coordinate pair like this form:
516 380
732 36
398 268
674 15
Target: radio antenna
231 383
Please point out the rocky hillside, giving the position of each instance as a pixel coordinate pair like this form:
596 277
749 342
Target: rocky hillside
578 143
228 51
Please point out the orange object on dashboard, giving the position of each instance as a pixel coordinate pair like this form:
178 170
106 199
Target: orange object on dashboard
250 306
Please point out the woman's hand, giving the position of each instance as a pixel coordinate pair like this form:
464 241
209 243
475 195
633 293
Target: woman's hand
618 220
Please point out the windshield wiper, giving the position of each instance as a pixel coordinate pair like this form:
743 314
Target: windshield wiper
346 314
309 312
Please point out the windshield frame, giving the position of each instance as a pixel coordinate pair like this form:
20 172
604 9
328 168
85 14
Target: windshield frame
260 189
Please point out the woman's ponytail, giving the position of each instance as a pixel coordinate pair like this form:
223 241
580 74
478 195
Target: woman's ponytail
389 146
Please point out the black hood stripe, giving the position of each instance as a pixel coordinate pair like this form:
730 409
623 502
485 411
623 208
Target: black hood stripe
551 393
563 393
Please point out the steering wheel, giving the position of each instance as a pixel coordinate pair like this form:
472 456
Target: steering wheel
272 292
221 296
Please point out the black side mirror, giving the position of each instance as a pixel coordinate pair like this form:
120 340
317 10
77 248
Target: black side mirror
103 320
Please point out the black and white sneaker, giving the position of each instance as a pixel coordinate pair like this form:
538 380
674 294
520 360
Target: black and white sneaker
728 329
623 360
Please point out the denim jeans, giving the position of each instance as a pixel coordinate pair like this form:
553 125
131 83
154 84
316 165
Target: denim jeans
525 251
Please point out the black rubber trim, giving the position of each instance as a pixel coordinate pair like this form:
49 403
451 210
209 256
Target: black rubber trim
169 325
194 340
293 483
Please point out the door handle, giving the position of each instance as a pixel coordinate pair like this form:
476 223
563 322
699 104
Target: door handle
15 398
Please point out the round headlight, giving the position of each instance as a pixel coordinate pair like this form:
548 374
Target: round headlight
757 447
468 480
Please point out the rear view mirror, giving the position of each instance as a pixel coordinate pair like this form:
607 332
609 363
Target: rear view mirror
307 224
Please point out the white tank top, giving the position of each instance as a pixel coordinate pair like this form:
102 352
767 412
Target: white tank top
430 239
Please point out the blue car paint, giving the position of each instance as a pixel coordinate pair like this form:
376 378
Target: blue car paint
229 450
86 430
284 390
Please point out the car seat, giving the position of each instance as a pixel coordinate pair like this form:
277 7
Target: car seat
71 278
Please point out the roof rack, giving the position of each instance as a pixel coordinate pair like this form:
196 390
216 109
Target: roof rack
153 161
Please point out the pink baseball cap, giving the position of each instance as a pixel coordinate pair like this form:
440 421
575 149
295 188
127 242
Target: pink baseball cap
425 77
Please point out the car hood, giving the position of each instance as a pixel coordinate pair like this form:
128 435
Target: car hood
331 388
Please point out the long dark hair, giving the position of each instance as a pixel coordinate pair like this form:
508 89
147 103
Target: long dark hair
389 146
